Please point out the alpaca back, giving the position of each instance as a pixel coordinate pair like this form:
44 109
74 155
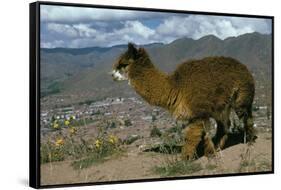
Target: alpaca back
206 86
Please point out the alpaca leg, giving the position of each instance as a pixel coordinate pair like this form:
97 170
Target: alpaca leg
249 128
222 134
222 142
243 109
247 118
223 126
209 148
226 125
193 136
220 137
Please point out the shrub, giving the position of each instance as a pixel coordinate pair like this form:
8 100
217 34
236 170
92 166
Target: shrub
52 152
112 125
66 145
153 118
128 123
155 132
103 146
179 167
130 139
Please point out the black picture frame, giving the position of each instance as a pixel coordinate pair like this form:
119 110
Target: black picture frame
34 98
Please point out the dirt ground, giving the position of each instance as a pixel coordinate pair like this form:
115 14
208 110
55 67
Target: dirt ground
136 164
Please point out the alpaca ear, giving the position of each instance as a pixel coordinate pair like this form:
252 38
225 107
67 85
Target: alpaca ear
132 50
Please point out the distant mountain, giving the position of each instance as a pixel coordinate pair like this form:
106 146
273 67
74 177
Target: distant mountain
80 51
85 70
60 64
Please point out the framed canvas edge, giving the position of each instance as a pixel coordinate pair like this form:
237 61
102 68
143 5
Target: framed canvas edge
34 94
34 90
272 94
152 9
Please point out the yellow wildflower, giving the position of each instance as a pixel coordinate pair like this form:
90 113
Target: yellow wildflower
59 142
72 130
66 122
112 139
55 125
98 143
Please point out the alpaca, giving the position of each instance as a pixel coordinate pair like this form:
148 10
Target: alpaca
195 92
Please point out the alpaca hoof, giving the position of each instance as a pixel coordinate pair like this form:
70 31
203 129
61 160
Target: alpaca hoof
187 155
250 139
209 149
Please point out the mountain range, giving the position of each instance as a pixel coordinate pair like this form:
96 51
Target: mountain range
85 70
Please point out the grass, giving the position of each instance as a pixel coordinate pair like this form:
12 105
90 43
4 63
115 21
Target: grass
51 153
95 158
66 145
246 163
86 162
104 147
211 166
180 167
155 132
171 140
252 164
264 165
131 139
246 160
175 129
249 163
172 164
69 148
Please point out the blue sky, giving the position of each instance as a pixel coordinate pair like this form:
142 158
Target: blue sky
77 27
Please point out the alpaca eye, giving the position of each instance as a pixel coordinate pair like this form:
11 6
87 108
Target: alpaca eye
121 66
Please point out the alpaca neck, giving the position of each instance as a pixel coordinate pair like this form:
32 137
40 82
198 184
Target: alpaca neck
150 83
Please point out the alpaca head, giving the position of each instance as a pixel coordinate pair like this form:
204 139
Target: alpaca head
120 68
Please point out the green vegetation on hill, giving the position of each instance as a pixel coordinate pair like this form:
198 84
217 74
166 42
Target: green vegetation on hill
53 88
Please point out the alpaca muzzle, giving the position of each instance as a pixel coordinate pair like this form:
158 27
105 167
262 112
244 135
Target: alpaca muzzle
117 76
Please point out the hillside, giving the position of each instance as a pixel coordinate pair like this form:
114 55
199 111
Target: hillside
239 158
84 72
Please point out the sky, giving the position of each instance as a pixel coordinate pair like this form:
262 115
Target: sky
78 27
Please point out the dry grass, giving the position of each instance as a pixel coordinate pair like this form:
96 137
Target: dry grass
69 146
250 163
179 167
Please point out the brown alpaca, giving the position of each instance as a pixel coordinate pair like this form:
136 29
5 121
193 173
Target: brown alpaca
196 91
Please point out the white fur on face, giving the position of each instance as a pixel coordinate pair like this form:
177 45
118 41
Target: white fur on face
118 76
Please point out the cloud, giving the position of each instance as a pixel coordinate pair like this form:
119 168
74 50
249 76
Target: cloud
85 30
136 30
83 27
257 24
53 44
83 35
196 26
65 14
63 29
